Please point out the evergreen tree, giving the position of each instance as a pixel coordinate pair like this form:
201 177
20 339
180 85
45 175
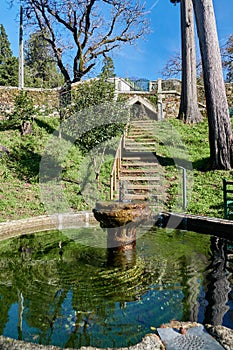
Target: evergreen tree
40 66
189 111
220 130
108 69
8 63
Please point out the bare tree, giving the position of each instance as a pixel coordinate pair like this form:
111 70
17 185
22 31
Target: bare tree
220 131
81 31
227 57
173 67
189 111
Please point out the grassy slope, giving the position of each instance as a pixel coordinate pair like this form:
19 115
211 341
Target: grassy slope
19 173
207 197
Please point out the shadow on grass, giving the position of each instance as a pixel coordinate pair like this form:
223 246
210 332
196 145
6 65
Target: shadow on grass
25 163
42 124
8 125
11 124
178 162
202 164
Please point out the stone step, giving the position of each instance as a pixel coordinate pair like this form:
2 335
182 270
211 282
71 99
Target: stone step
139 143
138 164
134 135
150 158
140 139
140 130
139 178
140 187
136 149
141 125
139 147
139 171
138 153
140 196
141 134
142 121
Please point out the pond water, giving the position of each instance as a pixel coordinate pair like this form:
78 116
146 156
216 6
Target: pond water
56 290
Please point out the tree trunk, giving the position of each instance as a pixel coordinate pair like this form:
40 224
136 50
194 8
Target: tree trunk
65 97
220 132
189 111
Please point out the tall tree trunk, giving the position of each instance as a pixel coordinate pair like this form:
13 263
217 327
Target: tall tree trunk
220 132
189 111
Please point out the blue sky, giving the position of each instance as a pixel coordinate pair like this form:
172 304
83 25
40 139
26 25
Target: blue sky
149 56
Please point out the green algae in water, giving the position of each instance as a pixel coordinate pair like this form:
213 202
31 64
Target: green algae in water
56 290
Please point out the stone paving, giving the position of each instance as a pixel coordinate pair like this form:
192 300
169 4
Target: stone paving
195 338
218 337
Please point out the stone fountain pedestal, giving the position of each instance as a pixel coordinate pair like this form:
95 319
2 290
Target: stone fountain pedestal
121 220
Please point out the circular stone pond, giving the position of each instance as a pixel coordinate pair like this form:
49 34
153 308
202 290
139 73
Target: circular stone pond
66 288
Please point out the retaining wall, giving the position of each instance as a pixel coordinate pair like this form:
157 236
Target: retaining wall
48 99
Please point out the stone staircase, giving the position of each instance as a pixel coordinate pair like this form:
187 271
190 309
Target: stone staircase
140 173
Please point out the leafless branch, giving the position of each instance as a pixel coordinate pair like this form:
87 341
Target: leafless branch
85 29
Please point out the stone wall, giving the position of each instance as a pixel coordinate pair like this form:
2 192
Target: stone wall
229 91
171 103
171 100
48 99
44 99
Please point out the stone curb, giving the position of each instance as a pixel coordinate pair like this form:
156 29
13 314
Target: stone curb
15 228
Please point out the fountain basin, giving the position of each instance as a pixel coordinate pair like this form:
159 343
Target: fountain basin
121 220
214 225
115 214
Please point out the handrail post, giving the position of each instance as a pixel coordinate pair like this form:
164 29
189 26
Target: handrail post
114 180
184 187
225 197
160 100
111 187
115 174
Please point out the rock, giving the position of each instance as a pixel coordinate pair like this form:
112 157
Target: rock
4 149
222 334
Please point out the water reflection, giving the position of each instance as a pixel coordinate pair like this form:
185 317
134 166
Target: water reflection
54 290
217 284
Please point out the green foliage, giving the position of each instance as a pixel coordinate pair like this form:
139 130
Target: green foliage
92 93
40 65
8 63
206 190
19 172
153 99
24 110
108 69
99 117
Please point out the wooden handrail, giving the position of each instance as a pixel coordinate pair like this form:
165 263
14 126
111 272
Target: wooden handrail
114 176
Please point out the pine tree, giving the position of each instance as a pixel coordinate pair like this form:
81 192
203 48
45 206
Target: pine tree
40 66
8 63
108 69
